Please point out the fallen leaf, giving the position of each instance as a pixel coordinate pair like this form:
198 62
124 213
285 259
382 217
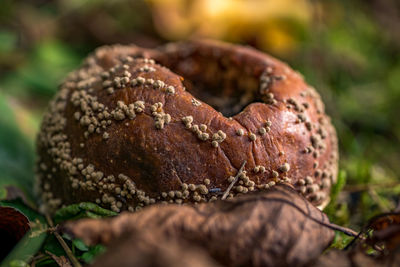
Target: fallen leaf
382 233
89 256
385 232
378 244
388 237
276 227
146 249
13 192
355 258
382 221
13 226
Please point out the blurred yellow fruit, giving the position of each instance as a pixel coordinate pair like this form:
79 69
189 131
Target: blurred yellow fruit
268 24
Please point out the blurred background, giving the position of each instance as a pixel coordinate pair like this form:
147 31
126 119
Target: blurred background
348 50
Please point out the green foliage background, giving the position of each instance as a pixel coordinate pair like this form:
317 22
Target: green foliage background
348 50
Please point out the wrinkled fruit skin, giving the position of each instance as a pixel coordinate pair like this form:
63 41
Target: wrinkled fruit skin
134 126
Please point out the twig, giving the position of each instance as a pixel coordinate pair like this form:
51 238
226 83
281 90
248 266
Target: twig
352 242
64 245
365 187
233 182
344 230
38 258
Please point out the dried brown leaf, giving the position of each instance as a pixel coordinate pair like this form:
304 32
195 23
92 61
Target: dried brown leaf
389 237
382 221
146 249
277 227
355 258
382 233
14 192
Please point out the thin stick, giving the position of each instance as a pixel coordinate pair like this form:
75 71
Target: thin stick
365 187
67 250
344 230
233 182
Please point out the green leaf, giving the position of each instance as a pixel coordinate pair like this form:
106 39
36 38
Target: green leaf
95 251
49 262
18 263
82 210
78 243
53 246
27 247
3 193
341 240
30 244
